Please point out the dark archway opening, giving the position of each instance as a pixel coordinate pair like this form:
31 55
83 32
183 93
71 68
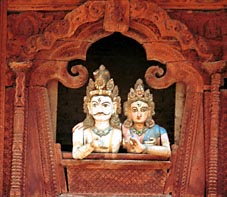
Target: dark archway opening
126 60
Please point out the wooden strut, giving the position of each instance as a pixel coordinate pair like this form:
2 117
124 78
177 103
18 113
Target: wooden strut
18 130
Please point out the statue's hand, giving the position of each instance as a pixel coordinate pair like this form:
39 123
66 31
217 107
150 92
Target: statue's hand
98 143
136 145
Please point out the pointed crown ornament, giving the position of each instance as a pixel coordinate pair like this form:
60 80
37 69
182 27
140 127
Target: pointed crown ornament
138 93
103 86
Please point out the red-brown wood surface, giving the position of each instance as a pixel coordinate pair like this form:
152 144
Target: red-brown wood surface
115 156
192 45
23 5
3 36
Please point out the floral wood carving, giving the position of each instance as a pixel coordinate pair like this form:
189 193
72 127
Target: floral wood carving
24 25
89 12
146 22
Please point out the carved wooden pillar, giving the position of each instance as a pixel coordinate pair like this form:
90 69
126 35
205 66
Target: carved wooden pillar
222 165
3 32
17 174
215 70
213 147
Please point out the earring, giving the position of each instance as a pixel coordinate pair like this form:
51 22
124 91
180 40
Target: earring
128 123
149 122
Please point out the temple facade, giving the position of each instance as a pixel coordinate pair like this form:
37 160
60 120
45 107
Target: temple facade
49 50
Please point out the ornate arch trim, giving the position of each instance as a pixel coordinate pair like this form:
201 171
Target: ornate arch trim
148 15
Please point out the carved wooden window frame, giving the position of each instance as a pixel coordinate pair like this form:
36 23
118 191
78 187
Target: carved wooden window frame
165 40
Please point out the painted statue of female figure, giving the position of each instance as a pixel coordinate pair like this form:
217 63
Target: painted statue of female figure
141 134
100 131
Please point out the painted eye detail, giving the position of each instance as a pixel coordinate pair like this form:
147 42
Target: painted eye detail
134 109
144 109
106 104
94 104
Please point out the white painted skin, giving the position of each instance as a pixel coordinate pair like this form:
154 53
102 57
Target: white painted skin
86 141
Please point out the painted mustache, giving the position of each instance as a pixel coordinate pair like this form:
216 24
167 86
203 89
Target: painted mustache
101 113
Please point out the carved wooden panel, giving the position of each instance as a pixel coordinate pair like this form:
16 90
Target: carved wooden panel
52 39
116 177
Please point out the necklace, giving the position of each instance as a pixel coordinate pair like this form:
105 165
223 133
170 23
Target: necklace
101 133
139 133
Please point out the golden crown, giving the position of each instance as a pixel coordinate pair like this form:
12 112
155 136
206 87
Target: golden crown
138 93
102 85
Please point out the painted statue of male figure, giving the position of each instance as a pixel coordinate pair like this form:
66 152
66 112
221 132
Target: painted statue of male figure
100 131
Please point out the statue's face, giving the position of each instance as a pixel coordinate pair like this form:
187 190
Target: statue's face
101 107
139 111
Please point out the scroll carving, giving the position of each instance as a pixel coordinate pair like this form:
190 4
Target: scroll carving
51 70
156 77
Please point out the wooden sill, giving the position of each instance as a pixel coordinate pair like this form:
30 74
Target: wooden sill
117 156
115 161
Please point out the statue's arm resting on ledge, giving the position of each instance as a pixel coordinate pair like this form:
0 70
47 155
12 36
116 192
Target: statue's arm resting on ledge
80 150
163 150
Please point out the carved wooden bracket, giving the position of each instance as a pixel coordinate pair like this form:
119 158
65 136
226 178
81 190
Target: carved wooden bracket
56 70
